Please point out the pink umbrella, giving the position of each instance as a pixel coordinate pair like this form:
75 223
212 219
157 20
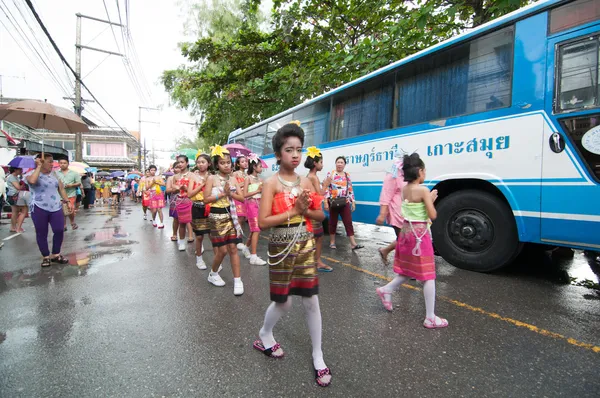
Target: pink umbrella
237 149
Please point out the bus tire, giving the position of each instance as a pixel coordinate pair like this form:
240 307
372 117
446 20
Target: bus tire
475 230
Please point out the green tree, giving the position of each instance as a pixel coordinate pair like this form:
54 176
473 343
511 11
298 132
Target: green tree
242 72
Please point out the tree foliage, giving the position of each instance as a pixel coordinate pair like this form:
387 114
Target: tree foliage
245 67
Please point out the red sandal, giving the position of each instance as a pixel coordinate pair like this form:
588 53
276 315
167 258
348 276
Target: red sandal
274 352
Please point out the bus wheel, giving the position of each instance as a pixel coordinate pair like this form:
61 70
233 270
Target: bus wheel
475 231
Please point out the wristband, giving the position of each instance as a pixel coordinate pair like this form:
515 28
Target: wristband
216 197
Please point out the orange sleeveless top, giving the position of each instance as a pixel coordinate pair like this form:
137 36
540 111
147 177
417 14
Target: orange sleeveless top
284 201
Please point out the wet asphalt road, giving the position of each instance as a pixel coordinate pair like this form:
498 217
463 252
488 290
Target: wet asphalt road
130 316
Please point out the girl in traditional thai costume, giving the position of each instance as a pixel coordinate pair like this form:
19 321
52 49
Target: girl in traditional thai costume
157 197
414 251
390 200
183 204
200 222
145 192
314 162
225 230
253 189
289 203
239 174
171 193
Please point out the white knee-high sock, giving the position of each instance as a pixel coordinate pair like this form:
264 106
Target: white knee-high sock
394 284
274 313
315 328
429 294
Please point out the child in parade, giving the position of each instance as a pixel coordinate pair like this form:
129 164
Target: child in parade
157 197
314 163
200 223
145 193
414 251
253 189
115 191
288 204
171 193
183 205
225 230
390 200
239 173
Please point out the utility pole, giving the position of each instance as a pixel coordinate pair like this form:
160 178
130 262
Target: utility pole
140 132
78 47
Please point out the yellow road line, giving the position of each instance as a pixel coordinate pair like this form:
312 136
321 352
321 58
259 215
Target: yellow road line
514 322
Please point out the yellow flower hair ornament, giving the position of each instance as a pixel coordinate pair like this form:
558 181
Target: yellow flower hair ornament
200 152
218 150
313 152
296 122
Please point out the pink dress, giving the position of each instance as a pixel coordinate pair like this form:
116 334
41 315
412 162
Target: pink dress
391 196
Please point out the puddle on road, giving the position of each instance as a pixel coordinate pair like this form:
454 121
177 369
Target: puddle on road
563 266
107 234
80 264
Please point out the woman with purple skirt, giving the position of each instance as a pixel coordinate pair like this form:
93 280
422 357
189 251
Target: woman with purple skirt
46 208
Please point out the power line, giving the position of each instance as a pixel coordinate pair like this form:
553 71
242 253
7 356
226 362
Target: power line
28 43
42 46
62 57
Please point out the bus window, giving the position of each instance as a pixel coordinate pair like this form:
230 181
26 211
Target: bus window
578 75
363 109
272 129
473 77
573 14
314 121
255 139
576 129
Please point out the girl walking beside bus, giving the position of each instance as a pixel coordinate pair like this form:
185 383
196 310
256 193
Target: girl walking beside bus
253 189
314 163
414 250
288 204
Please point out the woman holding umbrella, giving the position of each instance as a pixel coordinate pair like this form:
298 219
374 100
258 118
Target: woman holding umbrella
46 208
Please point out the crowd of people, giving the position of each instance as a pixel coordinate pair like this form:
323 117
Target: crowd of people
219 197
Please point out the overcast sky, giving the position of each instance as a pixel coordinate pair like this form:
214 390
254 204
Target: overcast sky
156 27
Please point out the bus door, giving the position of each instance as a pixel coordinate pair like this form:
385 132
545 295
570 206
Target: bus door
570 207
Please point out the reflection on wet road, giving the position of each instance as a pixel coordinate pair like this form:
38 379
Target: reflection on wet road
131 316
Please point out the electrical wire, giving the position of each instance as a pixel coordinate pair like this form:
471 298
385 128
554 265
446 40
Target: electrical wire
28 43
42 47
62 57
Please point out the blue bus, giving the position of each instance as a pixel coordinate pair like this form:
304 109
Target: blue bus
506 117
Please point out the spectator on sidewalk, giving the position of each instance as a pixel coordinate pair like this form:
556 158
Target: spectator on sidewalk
71 181
2 190
46 208
87 190
16 198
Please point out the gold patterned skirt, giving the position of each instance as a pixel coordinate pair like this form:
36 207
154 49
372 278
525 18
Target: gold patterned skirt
200 221
292 271
222 230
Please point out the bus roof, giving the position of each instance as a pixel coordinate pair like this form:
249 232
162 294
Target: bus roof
507 19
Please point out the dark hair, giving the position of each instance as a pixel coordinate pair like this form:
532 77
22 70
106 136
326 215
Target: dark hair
251 167
285 132
341 157
207 158
46 155
184 157
215 161
237 162
13 169
83 177
152 167
310 163
65 159
411 166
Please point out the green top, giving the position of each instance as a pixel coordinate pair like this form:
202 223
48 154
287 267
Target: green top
67 179
414 211
97 184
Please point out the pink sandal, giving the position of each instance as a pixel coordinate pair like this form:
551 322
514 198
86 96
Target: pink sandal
386 304
435 323
274 352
